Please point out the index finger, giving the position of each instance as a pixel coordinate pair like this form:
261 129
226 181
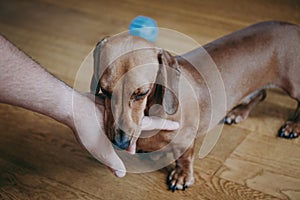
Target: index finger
153 122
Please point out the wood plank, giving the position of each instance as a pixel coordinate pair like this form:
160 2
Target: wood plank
19 183
54 154
40 158
230 138
272 166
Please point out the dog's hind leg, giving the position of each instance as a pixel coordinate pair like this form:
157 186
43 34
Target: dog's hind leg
291 129
241 111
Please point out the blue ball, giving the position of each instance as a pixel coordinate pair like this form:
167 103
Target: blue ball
144 27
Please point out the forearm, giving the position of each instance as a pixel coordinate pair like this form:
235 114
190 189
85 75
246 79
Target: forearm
25 83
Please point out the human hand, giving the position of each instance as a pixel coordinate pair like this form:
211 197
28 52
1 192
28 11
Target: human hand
89 129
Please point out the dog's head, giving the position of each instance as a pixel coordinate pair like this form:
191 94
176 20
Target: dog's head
132 75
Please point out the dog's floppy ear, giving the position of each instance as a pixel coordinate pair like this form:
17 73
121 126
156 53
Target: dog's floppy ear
168 76
95 84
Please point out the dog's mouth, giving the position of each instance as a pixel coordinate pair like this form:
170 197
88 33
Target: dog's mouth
132 148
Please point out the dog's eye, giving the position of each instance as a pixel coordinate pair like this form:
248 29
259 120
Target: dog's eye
140 95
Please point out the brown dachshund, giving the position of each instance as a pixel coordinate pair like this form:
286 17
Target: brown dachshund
135 76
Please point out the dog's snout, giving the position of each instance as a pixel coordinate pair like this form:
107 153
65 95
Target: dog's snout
122 140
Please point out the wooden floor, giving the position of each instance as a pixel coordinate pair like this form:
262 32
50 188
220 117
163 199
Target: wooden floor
40 158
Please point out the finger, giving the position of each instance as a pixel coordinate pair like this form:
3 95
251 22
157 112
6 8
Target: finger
104 152
89 129
170 125
151 123
112 160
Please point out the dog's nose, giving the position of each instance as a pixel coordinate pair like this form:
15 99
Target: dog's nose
122 140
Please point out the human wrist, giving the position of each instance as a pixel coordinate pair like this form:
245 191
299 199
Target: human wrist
67 102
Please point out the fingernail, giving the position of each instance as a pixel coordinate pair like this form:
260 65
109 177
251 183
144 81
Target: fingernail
120 173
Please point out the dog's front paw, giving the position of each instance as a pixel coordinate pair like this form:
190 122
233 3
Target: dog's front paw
180 179
290 130
237 115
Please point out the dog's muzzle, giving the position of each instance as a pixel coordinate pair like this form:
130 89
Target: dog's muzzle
121 140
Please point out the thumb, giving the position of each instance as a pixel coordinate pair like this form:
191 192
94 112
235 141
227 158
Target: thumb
105 153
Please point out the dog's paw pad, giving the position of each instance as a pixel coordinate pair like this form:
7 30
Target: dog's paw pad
237 115
180 180
290 130
232 119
